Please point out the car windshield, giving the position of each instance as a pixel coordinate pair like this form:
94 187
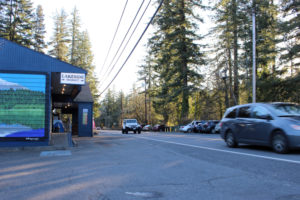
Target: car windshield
131 121
286 109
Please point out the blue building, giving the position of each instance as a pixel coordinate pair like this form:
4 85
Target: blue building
33 87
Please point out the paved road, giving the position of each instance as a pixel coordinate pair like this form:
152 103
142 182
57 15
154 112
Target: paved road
150 166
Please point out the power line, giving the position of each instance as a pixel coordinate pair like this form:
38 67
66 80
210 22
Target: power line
114 35
134 46
126 43
124 38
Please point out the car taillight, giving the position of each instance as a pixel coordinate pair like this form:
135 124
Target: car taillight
221 124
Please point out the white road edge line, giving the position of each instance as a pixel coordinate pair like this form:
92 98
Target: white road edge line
220 150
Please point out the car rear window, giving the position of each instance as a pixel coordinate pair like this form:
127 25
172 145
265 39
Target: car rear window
231 114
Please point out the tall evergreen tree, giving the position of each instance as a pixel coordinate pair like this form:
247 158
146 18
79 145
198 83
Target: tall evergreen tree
39 30
147 77
266 52
229 30
17 21
290 28
60 38
2 17
74 30
84 59
177 54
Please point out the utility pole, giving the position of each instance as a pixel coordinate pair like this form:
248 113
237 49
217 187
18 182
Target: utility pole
253 54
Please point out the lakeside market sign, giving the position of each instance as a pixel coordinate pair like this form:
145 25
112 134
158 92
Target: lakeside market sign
72 78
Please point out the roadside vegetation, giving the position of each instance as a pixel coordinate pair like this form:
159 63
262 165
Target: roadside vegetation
188 72
187 75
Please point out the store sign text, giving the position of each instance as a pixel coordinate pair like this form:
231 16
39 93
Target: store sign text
72 78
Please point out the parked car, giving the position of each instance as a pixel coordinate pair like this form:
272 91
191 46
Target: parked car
217 128
199 127
147 128
270 124
96 130
159 127
209 126
189 128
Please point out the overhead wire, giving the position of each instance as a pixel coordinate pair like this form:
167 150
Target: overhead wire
114 36
126 43
134 46
104 75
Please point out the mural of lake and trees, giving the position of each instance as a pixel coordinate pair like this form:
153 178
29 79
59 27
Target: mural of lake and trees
22 105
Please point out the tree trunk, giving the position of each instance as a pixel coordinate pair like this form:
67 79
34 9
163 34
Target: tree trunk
235 53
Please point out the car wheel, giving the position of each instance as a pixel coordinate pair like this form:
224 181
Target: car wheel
139 131
279 143
189 130
213 131
123 131
230 140
134 132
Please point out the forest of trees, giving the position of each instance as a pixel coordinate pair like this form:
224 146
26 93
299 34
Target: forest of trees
189 76
188 72
21 23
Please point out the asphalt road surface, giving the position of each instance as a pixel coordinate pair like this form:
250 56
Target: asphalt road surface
115 166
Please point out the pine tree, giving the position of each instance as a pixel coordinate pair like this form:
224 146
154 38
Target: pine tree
60 38
290 28
17 21
2 17
146 76
74 30
231 21
266 21
39 30
266 52
177 55
84 59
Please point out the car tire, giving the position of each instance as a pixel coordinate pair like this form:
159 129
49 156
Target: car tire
123 131
189 130
279 143
230 140
213 131
139 131
134 132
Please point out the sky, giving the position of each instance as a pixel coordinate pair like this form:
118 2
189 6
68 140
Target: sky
100 18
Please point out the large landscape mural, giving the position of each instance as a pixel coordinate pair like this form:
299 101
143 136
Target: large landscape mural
22 105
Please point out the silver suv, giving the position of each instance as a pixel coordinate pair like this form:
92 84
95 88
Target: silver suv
131 125
269 124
